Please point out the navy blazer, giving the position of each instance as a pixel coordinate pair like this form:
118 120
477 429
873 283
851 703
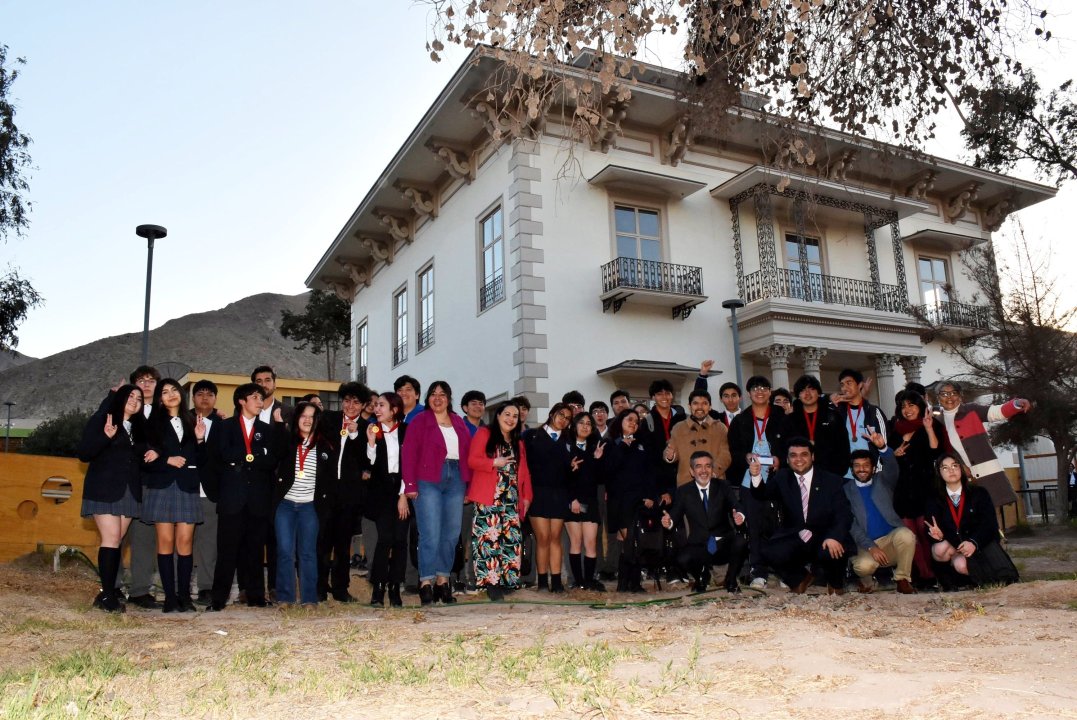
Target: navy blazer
547 459
350 455
714 521
164 441
382 491
114 464
240 484
977 523
829 516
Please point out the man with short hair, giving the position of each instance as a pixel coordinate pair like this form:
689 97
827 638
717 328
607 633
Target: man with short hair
880 535
656 428
204 401
408 389
600 411
820 423
708 506
700 432
142 537
273 411
345 432
524 405
243 456
814 519
861 418
474 406
575 401
729 395
620 401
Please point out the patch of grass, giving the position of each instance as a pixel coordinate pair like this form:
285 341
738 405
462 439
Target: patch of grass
259 666
1053 552
66 686
1055 576
1071 605
95 664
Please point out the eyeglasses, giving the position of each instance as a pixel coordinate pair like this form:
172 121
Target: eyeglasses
145 381
948 394
949 466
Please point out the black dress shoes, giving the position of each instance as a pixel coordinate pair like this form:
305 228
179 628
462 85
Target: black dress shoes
259 602
186 604
426 594
443 593
394 596
146 602
214 607
171 605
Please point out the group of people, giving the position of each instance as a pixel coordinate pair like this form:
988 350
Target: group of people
813 487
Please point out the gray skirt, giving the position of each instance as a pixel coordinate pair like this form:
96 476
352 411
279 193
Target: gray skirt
170 505
126 506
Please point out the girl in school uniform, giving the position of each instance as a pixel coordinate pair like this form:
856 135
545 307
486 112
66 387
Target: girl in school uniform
386 505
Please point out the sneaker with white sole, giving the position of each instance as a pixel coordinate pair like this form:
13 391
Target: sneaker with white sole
758 583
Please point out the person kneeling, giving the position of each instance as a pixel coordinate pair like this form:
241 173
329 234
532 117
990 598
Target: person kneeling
711 513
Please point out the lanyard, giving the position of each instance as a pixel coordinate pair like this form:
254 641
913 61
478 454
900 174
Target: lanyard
852 421
957 512
247 438
304 450
761 429
810 422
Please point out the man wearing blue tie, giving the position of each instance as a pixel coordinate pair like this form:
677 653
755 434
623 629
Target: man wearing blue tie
710 515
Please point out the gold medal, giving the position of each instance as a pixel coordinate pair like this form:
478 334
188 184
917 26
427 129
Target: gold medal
301 475
344 432
250 457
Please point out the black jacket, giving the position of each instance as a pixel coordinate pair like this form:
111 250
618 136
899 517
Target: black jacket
630 473
114 462
831 439
829 514
239 484
547 459
916 481
162 439
977 521
742 438
348 455
583 481
382 489
715 521
653 436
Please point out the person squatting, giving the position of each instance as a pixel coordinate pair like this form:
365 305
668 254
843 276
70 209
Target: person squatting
261 507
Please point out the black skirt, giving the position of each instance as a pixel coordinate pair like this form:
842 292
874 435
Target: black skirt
549 502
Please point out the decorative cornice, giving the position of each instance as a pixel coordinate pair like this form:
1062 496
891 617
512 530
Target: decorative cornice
343 290
458 162
807 319
680 139
381 249
425 200
603 125
522 115
957 205
996 214
401 228
919 185
361 273
836 170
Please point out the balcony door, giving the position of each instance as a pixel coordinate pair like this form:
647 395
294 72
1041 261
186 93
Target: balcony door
934 292
795 253
639 246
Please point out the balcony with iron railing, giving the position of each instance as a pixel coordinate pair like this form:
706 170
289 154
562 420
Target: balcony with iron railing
426 336
400 353
827 289
492 292
650 282
957 315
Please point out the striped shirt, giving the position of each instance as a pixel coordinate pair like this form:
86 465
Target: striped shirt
302 490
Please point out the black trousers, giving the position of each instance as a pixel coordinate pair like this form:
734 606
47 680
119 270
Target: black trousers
391 552
787 554
241 540
731 550
762 519
335 530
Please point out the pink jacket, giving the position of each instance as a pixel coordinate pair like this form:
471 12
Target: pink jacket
423 454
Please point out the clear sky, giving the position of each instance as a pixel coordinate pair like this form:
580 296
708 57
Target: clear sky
251 130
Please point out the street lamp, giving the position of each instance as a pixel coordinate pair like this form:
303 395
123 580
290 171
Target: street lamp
732 306
7 430
151 233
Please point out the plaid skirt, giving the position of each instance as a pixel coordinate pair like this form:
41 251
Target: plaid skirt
170 505
126 506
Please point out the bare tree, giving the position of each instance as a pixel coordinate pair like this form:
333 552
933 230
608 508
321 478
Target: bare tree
1030 352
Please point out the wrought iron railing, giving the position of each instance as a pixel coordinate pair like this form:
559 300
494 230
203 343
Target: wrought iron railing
828 289
362 374
957 315
400 352
426 336
663 277
492 292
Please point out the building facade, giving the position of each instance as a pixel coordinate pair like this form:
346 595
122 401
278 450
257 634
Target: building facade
539 265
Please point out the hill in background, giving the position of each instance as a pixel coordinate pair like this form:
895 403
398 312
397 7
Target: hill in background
234 339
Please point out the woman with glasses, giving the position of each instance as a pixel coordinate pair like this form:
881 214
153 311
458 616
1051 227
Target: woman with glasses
436 473
112 488
175 450
501 490
962 524
548 460
585 451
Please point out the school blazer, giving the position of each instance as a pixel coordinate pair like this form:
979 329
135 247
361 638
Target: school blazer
159 474
240 484
114 465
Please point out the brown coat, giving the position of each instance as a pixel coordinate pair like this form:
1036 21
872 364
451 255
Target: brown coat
689 436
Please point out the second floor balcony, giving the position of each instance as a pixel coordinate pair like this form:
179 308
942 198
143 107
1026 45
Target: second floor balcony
650 282
828 289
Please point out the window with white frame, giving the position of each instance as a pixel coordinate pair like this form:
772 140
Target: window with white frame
493 259
795 255
638 233
400 325
933 281
361 347
425 286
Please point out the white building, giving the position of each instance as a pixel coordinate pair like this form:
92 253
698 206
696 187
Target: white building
540 266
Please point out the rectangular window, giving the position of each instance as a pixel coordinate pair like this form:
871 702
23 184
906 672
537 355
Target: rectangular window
639 245
400 325
361 351
933 282
493 260
426 308
812 252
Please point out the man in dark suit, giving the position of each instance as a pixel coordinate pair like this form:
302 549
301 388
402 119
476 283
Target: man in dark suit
345 430
243 455
815 519
707 506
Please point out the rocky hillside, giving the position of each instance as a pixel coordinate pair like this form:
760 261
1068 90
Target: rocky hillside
13 359
234 339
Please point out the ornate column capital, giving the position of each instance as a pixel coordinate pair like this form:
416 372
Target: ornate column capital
779 355
813 359
912 365
885 363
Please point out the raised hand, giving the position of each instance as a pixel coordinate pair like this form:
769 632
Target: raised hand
599 450
110 429
933 529
372 431
277 417
877 439
200 428
705 367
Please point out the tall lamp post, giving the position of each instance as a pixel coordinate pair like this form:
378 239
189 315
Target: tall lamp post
151 233
7 429
732 306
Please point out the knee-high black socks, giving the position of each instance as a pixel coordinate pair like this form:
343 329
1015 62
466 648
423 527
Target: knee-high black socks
108 567
588 570
576 566
184 566
168 575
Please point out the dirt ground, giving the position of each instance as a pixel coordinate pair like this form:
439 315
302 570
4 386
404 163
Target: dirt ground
1002 652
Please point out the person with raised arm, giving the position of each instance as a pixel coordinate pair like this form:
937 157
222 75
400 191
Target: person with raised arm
386 505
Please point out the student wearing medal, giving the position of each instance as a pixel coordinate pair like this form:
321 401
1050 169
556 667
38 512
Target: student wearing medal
304 480
243 459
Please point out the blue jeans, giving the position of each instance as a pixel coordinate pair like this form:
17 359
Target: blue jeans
439 510
297 527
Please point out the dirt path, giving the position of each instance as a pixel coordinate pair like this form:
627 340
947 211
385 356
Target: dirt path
1006 652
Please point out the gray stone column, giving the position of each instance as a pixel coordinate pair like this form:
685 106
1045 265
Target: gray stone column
912 365
813 360
884 381
778 354
528 287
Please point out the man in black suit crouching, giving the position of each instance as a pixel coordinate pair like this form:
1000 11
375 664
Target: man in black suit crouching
708 509
815 519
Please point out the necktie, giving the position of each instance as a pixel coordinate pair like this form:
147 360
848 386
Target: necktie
554 435
712 544
803 496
